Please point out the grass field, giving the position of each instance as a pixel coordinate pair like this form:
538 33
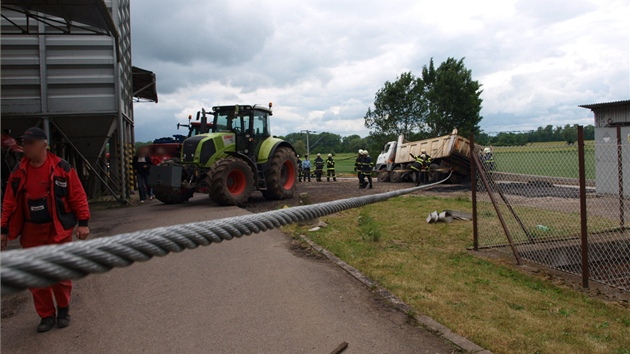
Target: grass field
555 159
548 159
344 163
490 302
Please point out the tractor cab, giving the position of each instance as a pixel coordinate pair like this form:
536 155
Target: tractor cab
250 125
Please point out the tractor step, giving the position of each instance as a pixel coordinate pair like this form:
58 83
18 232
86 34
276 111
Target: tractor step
262 182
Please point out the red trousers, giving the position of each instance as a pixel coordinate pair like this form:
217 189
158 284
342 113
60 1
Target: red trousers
34 235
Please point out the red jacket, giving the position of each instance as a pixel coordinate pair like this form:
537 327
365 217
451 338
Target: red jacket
68 200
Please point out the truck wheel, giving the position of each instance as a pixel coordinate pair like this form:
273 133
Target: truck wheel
231 182
383 176
168 195
396 176
281 175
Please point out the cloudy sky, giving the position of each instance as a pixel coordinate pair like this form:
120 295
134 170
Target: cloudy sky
321 61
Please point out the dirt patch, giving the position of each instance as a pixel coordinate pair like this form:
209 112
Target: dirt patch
321 192
12 303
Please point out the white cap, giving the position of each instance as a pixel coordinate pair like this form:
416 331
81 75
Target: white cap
319 154
424 151
486 150
365 152
360 151
329 155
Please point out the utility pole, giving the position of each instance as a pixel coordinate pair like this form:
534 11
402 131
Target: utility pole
308 145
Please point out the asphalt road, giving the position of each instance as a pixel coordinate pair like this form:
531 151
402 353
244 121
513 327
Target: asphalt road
249 295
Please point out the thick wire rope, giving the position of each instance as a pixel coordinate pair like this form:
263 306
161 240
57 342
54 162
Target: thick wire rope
47 265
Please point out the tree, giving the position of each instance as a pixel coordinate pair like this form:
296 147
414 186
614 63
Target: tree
300 147
399 107
453 98
569 134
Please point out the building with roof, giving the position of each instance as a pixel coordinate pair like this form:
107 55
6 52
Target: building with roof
66 67
612 146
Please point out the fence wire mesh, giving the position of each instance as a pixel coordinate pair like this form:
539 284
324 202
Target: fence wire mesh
537 191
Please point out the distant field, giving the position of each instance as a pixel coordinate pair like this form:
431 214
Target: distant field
545 159
555 159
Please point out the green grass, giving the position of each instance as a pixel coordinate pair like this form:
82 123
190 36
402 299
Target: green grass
490 302
344 163
556 160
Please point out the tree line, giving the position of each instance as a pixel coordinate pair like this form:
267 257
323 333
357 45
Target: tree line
549 133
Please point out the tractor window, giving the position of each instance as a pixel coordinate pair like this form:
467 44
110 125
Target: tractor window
261 128
224 122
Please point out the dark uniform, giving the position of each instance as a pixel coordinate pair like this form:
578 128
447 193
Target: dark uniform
357 168
300 169
366 171
488 159
319 168
330 166
420 168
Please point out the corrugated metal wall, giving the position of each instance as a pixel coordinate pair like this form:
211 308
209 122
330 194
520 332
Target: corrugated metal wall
610 116
79 81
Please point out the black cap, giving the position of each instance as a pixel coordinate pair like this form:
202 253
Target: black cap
34 133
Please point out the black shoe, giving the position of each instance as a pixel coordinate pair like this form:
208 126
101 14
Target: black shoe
370 187
334 180
63 317
46 324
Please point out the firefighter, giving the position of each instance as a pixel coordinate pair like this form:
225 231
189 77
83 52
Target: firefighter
488 159
424 175
357 167
300 169
306 168
319 167
417 167
43 203
330 166
366 170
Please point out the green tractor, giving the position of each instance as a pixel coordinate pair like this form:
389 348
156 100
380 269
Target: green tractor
235 157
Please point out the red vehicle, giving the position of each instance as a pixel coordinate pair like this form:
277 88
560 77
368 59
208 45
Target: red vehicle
169 148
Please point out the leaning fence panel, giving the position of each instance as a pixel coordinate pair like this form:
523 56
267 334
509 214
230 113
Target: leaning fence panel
537 189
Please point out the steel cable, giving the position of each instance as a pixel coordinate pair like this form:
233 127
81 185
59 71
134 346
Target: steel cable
47 265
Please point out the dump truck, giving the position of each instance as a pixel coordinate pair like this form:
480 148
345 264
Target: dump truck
237 156
448 153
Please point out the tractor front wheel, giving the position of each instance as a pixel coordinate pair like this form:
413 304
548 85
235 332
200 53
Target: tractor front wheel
281 175
231 182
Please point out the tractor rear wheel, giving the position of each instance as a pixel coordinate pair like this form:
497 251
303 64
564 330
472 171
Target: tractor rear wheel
231 182
281 175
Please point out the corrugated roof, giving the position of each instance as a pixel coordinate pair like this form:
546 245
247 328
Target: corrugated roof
144 84
93 13
606 104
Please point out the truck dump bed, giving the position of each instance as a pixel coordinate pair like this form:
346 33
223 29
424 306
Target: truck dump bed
447 147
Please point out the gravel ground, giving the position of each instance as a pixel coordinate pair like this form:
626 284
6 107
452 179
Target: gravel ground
345 187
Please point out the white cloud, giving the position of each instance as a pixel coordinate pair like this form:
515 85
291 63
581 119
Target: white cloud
320 62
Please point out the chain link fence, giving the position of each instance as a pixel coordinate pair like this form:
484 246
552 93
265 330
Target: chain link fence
537 191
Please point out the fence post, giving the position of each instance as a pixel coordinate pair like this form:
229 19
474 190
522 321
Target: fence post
583 215
622 215
473 184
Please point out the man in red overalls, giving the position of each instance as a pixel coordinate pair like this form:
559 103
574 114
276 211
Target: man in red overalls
43 203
